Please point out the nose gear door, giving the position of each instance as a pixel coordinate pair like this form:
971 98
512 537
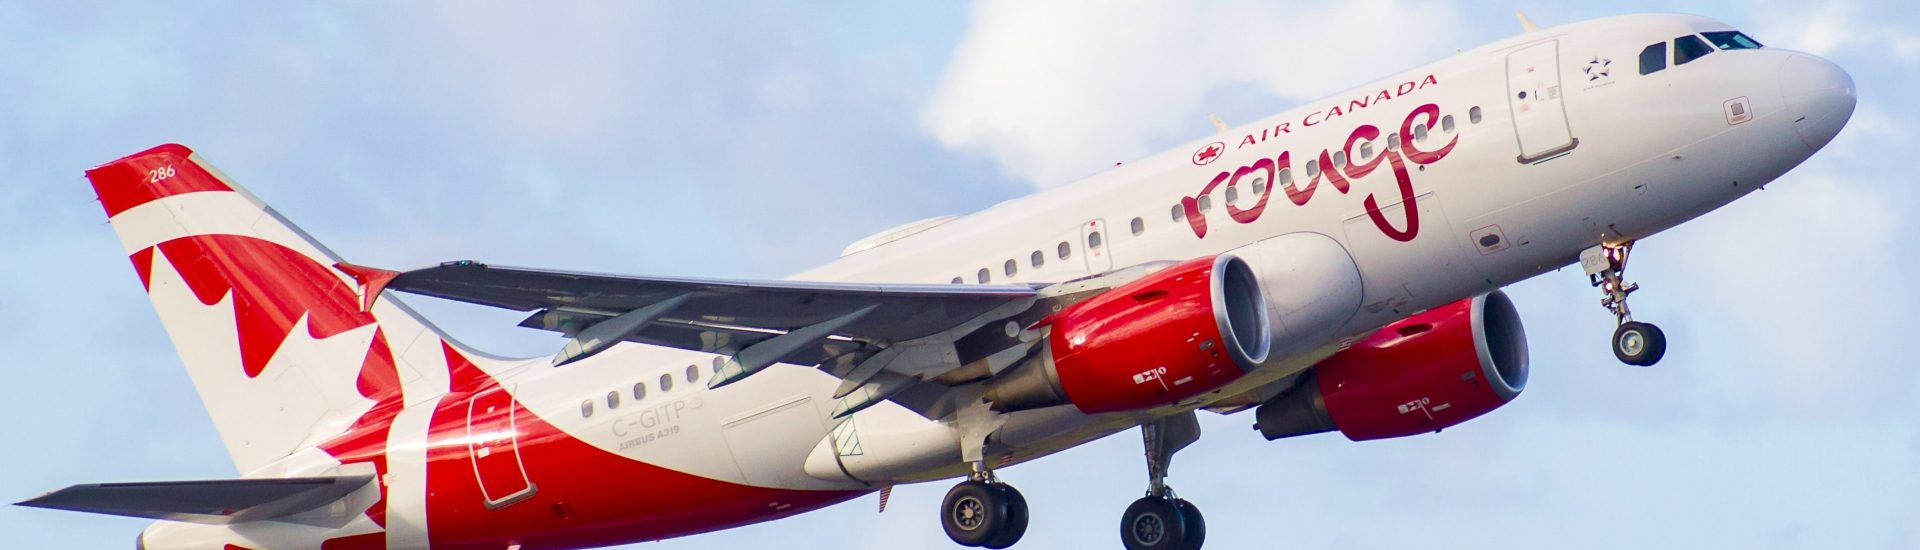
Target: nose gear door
1536 99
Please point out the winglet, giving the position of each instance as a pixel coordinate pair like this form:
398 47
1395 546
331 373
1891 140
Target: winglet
1525 23
372 281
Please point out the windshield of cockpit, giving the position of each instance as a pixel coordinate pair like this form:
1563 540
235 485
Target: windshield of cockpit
1689 47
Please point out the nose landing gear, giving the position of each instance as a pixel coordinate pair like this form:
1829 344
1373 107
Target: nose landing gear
1634 342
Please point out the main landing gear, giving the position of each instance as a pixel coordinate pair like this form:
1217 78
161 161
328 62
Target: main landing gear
1161 520
984 512
1634 342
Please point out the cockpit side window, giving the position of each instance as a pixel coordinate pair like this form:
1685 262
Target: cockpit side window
1654 58
1688 48
1731 40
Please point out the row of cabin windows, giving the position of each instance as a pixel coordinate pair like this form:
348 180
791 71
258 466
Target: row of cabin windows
1689 47
1063 251
1205 203
640 388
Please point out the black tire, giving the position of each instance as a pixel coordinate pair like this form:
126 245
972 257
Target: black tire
973 513
1640 344
1153 523
1016 526
1196 525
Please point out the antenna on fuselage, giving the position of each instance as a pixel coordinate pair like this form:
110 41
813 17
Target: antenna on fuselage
1217 123
1525 23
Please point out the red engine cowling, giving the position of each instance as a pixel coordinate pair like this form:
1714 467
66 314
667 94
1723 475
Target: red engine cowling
1168 336
1420 374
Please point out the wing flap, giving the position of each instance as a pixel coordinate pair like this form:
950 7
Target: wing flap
223 501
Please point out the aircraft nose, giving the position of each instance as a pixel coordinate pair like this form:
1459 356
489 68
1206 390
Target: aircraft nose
1819 97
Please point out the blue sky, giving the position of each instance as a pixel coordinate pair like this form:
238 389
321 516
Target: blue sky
757 139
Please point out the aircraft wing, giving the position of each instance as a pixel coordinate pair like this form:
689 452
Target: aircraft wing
879 337
222 501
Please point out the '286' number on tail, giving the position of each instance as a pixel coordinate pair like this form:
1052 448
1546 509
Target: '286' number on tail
159 174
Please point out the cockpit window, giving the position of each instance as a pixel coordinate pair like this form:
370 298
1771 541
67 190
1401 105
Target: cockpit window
1688 48
1731 40
1654 58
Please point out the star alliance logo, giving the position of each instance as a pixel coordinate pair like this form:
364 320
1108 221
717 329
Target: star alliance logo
1598 69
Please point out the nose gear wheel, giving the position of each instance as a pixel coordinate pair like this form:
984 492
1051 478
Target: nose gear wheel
1634 343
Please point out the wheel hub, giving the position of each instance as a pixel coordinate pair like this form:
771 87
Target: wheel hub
1633 342
969 514
1148 529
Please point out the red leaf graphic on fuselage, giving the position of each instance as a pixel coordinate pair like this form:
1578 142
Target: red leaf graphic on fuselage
272 287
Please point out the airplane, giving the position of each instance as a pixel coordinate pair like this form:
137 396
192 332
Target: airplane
1332 268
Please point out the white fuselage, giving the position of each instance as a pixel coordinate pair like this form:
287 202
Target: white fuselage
1652 151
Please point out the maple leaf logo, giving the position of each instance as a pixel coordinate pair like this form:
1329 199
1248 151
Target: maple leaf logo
1206 155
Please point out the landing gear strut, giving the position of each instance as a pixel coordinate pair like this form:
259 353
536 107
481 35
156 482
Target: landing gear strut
1161 520
984 512
1634 342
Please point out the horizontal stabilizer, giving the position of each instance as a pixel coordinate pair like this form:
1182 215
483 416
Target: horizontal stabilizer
217 502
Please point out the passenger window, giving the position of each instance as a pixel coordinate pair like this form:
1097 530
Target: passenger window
957 280
1286 176
1093 241
1064 250
666 382
586 409
1366 150
1233 195
1206 203
693 374
1179 213
1139 226
1339 159
1473 115
1038 259
719 362
1731 40
1313 169
1688 48
1259 186
613 400
983 276
1653 59
1419 132
1011 267
1446 123
639 391
1393 141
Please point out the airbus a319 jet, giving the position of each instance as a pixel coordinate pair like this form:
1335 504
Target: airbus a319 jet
1332 268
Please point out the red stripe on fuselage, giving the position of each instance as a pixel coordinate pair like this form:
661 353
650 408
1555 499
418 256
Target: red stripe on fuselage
150 175
583 495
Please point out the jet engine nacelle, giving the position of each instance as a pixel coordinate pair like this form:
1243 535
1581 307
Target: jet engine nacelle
1170 335
1421 374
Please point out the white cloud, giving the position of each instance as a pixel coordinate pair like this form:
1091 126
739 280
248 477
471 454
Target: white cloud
1054 91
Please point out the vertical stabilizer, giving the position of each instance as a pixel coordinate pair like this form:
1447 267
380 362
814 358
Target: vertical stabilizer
274 331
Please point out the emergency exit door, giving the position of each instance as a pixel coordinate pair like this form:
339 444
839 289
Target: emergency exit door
1538 102
493 442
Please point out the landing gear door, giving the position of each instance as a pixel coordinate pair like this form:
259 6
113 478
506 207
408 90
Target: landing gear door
1538 103
1095 246
493 442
